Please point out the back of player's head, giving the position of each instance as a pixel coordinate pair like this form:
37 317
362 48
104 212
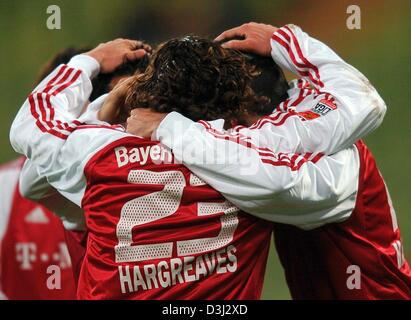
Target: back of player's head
196 77
269 82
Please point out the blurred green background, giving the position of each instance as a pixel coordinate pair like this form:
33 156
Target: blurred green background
381 50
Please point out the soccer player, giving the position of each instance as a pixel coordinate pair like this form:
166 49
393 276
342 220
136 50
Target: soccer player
32 238
32 187
155 230
323 114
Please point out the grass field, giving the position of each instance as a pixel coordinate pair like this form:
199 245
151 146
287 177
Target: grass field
381 50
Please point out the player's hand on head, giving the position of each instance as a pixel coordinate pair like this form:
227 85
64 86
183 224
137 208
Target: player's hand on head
143 122
147 48
113 110
254 38
114 53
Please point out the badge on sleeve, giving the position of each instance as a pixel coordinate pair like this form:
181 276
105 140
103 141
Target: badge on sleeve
320 109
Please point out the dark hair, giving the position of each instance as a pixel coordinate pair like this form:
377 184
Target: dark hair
101 83
196 77
269 83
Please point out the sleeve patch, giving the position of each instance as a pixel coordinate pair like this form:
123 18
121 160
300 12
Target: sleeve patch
320 109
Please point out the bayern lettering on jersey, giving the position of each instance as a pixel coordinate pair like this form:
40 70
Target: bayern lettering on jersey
156 153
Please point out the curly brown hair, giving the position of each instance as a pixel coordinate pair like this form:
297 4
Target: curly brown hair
197 78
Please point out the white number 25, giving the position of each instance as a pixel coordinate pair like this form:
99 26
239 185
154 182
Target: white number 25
164 203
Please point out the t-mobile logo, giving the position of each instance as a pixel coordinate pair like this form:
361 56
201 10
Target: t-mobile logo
26 254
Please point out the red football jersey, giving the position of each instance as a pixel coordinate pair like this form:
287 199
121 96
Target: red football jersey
156 231
76 243
322 263
34 259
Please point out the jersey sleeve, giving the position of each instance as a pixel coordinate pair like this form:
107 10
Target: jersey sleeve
33 186
47 129
306 190
49 114
338 108
36 187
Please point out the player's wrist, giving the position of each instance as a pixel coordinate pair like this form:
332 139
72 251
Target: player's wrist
89 65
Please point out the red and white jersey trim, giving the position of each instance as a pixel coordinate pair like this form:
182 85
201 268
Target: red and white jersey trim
286 38
41 106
